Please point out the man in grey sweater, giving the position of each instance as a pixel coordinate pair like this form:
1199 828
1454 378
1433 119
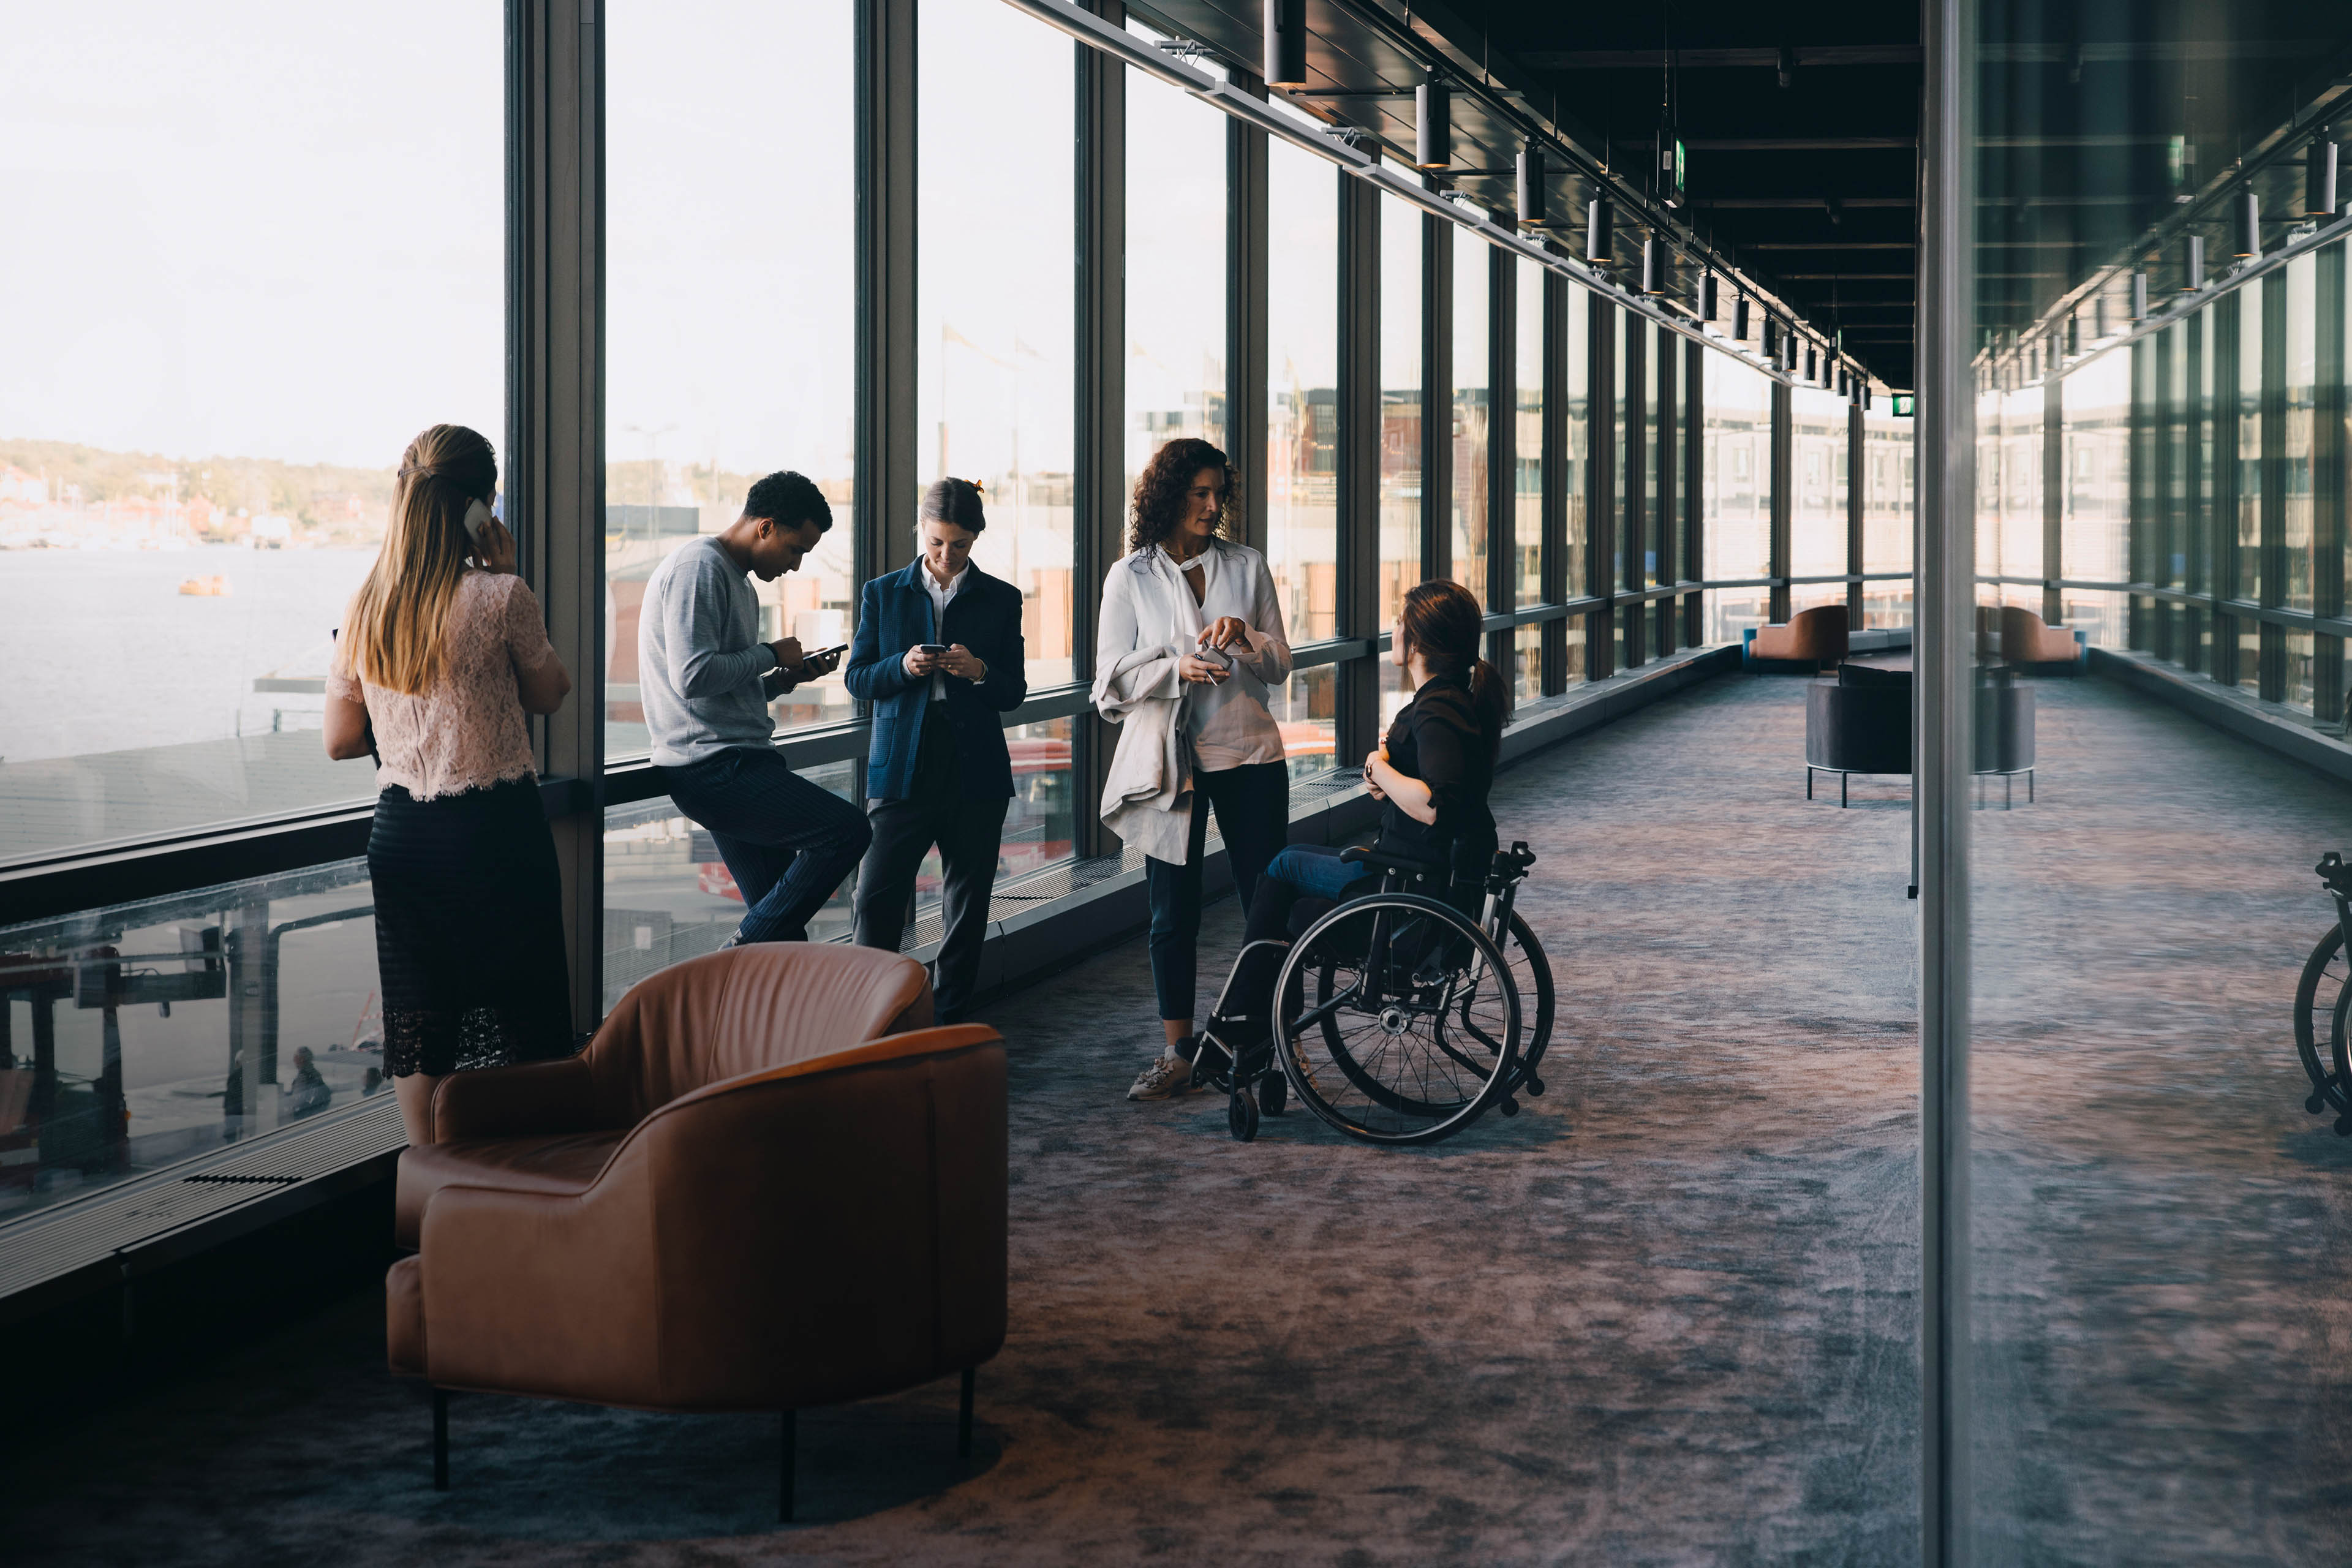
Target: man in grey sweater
705 679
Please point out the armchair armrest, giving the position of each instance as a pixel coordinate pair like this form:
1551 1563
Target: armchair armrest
533 1099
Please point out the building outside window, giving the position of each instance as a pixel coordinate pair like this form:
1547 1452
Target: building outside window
995 287
730 208
1301 472
1817 515
1472 412
1175 272
1526 468
1400 422
1737 474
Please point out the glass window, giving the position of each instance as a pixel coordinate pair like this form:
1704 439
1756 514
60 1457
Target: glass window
668 895
1302 399
1473 402
1655 377
1526 432
1526 662
225 326
2095 409
1736 474
1885 514
137 1036
2300 373
1624 517
1817 515
1175 270
2246 409
995 286
1577 476
730 209
1400 400
1306 712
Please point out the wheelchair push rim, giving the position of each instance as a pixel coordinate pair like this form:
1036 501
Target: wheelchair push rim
1408 1025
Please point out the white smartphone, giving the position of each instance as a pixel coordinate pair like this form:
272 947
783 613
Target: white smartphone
477 518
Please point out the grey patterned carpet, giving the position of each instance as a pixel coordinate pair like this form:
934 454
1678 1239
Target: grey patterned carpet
1665 1315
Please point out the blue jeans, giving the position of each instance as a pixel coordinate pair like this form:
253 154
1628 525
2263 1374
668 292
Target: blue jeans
787 843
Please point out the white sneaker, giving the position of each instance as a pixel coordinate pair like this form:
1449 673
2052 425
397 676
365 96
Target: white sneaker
1168 1076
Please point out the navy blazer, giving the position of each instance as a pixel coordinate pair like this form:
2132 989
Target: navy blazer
894 615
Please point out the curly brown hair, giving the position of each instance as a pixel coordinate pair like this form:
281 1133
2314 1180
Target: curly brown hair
1159 504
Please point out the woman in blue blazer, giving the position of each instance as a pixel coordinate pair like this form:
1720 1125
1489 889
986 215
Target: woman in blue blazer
937 771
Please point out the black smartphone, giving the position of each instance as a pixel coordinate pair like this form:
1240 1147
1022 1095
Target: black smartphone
825 652
933 648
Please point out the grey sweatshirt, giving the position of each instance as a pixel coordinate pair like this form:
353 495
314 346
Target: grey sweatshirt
699 658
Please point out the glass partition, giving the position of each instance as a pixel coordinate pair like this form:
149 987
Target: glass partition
136 1036
996 292
1817 506
1302 401
730 207
225 326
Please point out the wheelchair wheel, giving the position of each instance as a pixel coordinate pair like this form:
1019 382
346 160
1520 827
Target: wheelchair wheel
1241 1116
2315 994
1273 1092
1408 1023
1531 973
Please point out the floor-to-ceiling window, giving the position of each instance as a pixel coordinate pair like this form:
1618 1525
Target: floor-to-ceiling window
1175 272
1527 459
251 253
1886 527
1473 411
995 281
1302 433
1736 501
2094 407
1576 475
1401 420
1817 503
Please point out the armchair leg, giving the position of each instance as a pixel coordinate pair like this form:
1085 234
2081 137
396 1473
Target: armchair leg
963 1415
440 1439
791 1463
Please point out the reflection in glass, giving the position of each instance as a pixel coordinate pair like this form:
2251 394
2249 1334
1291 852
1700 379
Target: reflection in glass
668 895
135 1036
1302 406
1306 712
1175 270
1526 673
995 280
1401 403
1472 407
732 211
223 331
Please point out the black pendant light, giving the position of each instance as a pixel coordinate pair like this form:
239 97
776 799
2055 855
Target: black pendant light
1285 43
1813 366
1597 221
2319 181
1653 268
2139 296
2249 223
1709 298
1739 318
2192 264
2099 317
1530 191
1432 131
1771 340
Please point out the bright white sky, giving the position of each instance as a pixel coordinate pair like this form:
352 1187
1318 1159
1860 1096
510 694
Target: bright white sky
252 227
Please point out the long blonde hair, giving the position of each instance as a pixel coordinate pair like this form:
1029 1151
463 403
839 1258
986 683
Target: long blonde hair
395 626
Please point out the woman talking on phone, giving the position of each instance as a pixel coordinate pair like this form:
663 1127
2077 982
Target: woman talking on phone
442 652
1190 640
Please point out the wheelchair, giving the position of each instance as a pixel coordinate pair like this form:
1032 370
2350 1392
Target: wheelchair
1402 1013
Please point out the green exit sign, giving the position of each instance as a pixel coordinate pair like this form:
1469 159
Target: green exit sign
1904 404
1679 169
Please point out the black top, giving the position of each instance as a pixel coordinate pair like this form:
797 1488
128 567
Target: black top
1442 738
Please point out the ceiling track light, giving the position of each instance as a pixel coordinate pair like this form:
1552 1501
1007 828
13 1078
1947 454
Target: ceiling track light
1739 318
2192 263
1285 43
2319 181
1599 220
1653 265
2099 317
1709 297
1528 185
2139 297
2249 224
1771 339
1433 130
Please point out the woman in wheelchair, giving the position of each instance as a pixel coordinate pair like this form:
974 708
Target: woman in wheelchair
1432 773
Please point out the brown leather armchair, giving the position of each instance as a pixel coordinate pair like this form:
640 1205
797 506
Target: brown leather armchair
767 1183
1817 636
2026 639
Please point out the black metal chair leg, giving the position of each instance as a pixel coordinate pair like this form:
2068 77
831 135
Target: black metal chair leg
440 1439
1841 784
963 1415
784 1472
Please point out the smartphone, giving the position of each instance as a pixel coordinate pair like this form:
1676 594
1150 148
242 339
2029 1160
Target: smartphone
477 518
825 652
933 648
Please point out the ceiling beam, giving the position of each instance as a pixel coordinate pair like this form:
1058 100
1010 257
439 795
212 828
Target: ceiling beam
1797 143
1703 59
1726 203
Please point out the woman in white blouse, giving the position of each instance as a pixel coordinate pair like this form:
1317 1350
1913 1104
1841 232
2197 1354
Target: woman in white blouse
1190 626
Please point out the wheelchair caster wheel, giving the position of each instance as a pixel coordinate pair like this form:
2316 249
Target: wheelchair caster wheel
2315 1104
2343 1127
1273 1093
1508 1106
1535 1086
1241 1116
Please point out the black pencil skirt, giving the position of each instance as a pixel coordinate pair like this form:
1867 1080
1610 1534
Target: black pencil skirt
468 931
